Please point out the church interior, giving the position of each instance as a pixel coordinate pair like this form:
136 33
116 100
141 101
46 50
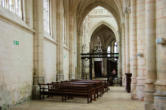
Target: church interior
83 54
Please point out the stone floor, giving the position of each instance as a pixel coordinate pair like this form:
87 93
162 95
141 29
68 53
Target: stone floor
115 99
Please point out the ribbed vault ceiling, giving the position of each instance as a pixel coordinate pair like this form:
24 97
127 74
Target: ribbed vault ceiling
105 33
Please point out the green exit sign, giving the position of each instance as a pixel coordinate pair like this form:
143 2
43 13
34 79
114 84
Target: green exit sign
15 42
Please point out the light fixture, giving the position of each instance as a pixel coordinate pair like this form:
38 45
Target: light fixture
161 41
140 55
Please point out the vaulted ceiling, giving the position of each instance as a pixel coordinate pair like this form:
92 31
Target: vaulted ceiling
105 34
83 7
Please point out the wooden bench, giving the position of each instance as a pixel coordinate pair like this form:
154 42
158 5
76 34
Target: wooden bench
44 90
77 90
90 89
97 84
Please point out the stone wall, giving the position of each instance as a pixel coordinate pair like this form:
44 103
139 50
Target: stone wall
49 60
66 64
16 63
29 57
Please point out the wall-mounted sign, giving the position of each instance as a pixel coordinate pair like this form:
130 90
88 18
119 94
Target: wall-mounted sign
15 42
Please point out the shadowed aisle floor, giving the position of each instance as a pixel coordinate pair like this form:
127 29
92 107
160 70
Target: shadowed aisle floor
115 99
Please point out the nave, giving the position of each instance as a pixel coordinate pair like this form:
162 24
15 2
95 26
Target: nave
115 99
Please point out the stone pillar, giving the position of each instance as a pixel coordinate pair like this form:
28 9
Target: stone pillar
140 49
119 59
79 69
133 48
38 75
160 94
127 41
123 56
60 34
79 48
71 46
150 36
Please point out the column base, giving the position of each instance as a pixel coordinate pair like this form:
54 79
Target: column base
140 92
71 76
160 100
140 87
149 107
133 92
133 88
35 87
59 77
35 92
149 95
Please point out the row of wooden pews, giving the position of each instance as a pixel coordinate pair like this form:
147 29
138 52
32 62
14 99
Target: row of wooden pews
90 89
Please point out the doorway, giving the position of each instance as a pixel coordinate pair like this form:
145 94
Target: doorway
98 68
111 71
111 65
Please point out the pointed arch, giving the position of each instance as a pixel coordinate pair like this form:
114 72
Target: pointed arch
106 24
85 7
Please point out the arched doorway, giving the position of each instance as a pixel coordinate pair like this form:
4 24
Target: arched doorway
100 39
82 13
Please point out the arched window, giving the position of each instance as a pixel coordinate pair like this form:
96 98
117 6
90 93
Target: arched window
115 48
46 17
108 51
14 6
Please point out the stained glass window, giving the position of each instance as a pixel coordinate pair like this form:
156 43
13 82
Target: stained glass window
14 6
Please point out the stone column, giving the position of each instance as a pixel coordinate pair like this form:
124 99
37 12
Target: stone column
150 37
38 75
127 40
120 58
60 34
71 46
133 48
160 94
79 66
123 56
140 49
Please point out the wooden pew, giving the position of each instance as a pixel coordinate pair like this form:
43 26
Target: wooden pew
77 90
44 90
90 89
98 84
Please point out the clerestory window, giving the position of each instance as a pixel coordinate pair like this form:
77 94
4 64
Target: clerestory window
14 6
46 17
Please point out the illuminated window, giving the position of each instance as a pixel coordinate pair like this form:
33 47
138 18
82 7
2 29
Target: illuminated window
115 48
108 51
46 16
14 6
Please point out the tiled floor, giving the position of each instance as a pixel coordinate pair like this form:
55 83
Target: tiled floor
115 99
